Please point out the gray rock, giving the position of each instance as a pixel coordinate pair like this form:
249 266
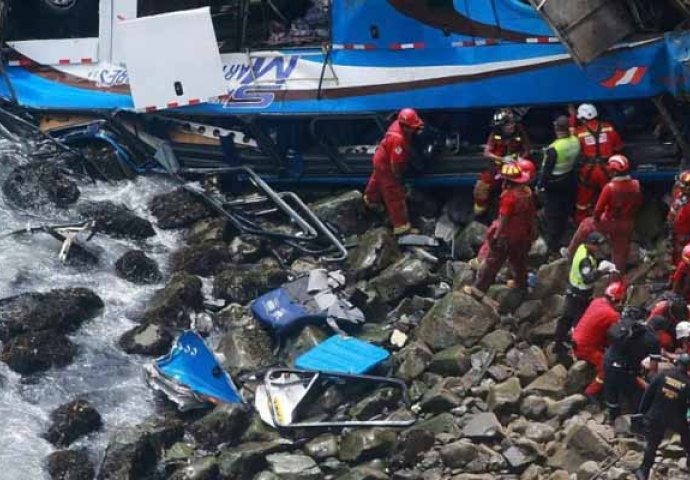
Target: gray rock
566 407
359 445
527 361
245 249
71 421
204 468
345 211
225 423
412 361
459 454
552 278
534 408
117 220
375 403
579 445
401 278
244 283
363 472
309 337
442 397
538 254
136 267
290 466
509 299
60 310
38 351
453 362
498 340
170 305
203 259
377 250
468 241
529 312
258 431
540 432
40 186
70 465
456 319
438 425
521 455
461 274
243 461
178 209
266 476
543 331
505 397
483 426
208 230
411 444
487 460
579 376
323 446
246 348
146 339
587 470
551 384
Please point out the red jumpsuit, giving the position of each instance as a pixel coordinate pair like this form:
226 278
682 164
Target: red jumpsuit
591 340
681 280
679 222
598 141
502 146
517 212
385 183
614 216
667 339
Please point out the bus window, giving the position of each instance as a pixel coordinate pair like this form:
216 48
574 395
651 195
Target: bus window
287 23
52 19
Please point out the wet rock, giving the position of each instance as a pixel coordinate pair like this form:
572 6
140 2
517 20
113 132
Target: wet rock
377 250
527 361
453 362
246 347
170 305
363 472
438 425
579 445
468 241
401 278
322 447
346 212
373 404
579 376
359 445
551 384
412 361
456 319
246 249
505 397
38 351
62 311
205 259
243 461
443 396
244 283
566 407
116 220
204 468
136 267
552 278
309 337
70 465
210 230
498 340
225 423
133 453
290 466
178 209
39 185
411 444
71 421
483 426
146 339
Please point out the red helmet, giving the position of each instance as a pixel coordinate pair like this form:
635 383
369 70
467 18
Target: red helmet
618 164
512 172
685 255
410 118
528 167
615 292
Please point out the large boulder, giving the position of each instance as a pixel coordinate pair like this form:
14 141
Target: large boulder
178 209
225 423
345 212
204 259
171 305
147 339
580 444
468 241
70 465
401 278
136 267
528 361
412 361
245 460
454 361
456 319
40 186
505 397
38 351
244 283
61 311
290 466
482 427
376 251
552 278
117 220
246 347
363 444
71 421
551 384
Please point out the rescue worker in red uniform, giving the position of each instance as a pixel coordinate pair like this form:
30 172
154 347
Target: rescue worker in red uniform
589 337
679 215
390 161
670 309
507 141
680 280
515 231
598 141
614 215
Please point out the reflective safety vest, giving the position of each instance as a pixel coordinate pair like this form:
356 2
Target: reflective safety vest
575 278
567 149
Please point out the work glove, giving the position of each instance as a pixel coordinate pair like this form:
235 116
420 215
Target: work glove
607 267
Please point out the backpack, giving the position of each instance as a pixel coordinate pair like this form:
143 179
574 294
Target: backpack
630 326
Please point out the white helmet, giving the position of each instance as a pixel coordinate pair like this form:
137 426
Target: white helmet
587 111
682 330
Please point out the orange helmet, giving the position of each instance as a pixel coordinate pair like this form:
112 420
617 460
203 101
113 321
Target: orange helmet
528 167
410 118
615 292
618 164
684 180
512 172
685 254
